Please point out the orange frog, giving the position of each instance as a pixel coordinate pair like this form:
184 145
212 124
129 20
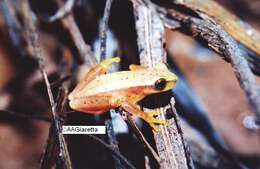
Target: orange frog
99 92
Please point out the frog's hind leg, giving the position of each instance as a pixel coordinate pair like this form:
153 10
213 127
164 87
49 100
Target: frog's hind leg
100 69
97 70
94 104
147 116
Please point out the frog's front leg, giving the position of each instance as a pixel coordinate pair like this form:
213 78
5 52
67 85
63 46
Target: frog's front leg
147 116
106 64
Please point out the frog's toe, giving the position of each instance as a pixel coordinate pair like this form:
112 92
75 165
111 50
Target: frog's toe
116 59
154 123
154 113
107 63
159 121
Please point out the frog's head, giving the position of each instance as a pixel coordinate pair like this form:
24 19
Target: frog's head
163 80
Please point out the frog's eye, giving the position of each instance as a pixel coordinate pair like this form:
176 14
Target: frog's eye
160 84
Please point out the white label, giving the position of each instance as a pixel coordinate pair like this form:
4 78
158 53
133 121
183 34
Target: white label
83 129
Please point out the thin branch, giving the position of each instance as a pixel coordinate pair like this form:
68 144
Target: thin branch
146 162
34 42
85 50
33 38
63 11
150 33
52 150
247 36
113 141
103 29
221 42
51 153
170 142
60 81
90 59
141 137
13 26
238 29
7 114
103 38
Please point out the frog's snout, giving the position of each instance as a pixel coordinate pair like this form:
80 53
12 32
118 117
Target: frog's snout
173 78
70 96
172 81
72 105
75 104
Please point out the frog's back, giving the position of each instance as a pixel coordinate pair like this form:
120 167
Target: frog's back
118 81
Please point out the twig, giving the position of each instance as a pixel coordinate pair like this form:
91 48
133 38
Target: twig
235 27
85 51
52 151
63 11
221 42
150 33
148 44
60 81
111 149
113 142
103 37
103 29
34 42
195 114
108 122
33 38
252 57
146 162
170 143
141 137
13 25
203 153
6 114
90 59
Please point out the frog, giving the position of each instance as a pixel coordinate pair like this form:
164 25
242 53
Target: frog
100 91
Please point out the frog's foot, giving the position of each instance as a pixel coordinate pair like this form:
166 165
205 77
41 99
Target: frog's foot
147 116
154 113
155 120
107 63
